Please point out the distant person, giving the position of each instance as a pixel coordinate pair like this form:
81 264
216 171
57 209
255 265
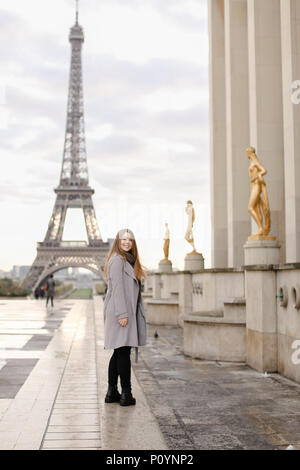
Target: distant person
42 292
37 293
50 289
124 314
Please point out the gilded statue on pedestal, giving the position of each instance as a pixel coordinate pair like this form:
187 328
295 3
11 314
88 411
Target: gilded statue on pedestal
258 206
166 241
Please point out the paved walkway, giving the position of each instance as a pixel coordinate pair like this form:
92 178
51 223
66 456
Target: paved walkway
53 380
215 405
53 384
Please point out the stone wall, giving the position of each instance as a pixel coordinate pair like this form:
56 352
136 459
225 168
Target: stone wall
247 315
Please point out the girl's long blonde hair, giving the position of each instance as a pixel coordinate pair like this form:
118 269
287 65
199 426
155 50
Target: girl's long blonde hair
139 270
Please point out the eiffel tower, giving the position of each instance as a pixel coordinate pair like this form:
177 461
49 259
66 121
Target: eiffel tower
73 191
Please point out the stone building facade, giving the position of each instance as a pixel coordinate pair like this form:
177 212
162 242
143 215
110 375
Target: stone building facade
237 311
254 64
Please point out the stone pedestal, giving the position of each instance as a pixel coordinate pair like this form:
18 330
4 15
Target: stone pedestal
185 296
237 129
214 339
157 286
162 312
261 319
193 261
165 266
259 252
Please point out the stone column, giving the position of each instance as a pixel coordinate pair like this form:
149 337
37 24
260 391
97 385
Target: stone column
165 266
237 128
193 262
290 32
157 286
261 319
185 296
217 134
265 101
259 252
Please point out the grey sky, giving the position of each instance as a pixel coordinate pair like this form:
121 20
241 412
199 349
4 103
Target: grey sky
146 116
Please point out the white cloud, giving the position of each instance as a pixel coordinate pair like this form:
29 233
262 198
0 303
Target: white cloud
100 132
172 100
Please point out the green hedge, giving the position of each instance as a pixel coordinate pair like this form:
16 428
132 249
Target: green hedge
100 288
10 288
81 294
61 288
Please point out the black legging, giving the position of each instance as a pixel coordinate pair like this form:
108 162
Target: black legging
120 365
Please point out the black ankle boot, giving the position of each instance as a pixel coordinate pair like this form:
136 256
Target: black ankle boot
112 395
127 399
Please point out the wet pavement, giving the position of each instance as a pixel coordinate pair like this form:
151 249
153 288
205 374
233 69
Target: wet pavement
24 335
215 405
53 380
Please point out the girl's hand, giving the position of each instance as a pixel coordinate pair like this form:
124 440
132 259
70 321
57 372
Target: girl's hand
123 321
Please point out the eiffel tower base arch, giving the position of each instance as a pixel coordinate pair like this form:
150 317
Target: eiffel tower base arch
50 259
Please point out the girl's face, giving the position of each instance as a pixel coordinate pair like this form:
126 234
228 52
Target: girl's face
126 242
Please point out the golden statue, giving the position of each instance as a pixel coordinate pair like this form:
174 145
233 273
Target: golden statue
258 206
166 241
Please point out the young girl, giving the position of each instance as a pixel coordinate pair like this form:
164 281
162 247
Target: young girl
124 314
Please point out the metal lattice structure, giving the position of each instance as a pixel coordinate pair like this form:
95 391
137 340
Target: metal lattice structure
73 190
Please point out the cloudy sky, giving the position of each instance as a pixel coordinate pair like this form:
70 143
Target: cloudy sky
145 76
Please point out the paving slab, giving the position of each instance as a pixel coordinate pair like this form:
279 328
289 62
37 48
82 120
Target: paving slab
53 382
74 448
74 418
64 417
55 436
4 404
72 444
71 411
123 428
215 405
71 429
34 382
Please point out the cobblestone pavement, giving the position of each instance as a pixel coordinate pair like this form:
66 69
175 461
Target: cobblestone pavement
212 405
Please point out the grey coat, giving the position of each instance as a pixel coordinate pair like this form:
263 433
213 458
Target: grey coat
51 287
120 302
